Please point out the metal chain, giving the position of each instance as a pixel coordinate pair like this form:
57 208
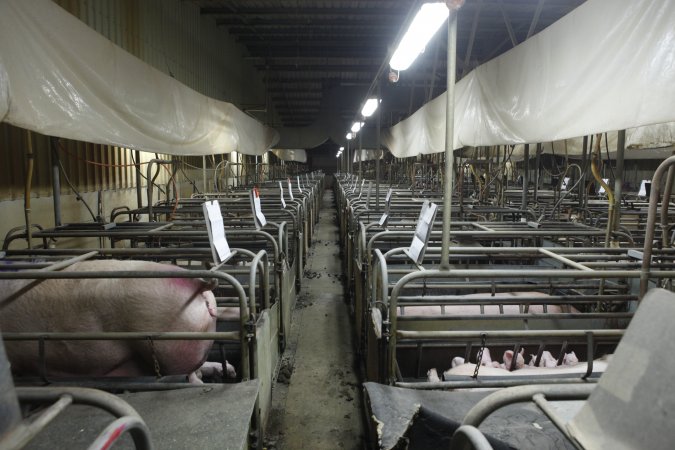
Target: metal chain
154 357
479 357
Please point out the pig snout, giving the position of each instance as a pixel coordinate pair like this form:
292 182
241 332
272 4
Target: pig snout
109 304
432 376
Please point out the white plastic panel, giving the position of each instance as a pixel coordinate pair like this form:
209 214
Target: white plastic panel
608 65
63 79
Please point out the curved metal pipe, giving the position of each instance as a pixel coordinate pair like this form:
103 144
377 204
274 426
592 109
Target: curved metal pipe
651 222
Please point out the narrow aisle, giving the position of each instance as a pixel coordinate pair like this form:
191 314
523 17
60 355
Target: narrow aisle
319 406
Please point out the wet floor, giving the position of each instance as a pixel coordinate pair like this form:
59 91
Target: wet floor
316 401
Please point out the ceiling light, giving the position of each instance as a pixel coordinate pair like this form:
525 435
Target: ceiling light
370 107
341 148
428 20
356 126
349 136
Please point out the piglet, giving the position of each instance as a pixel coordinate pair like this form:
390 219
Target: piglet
432 376
508 359
547 360
570 359
108 304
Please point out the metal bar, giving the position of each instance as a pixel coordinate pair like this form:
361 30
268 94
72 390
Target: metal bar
545 406
526 175
472 37
378 144
651 221
112 433
467 437
123 336
449 135
518 394
22 435
139 192
514 380
618 177
509 28
507 334
56 181
564 260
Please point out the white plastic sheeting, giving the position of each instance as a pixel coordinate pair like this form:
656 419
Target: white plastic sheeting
367 155
296 155
60 78
608 65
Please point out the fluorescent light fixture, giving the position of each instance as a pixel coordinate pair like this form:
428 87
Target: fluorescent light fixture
370 107
341 148
428 20
356 126
349 136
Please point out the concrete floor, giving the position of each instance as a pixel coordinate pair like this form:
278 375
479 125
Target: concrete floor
317 399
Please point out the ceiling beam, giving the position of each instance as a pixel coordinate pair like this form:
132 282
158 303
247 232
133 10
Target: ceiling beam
535 18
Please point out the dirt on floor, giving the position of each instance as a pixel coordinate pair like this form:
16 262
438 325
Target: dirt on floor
316 401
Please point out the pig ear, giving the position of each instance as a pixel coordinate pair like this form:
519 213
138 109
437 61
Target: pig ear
522 351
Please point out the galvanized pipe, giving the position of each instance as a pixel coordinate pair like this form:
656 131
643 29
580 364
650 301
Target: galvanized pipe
150 183
618 180
56 181
526 175
449 133
467 437
139 192
21 435
504 397
665 204
651 222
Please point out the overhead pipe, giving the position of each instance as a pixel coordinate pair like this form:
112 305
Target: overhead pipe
454 6
30 159
583 193
537 163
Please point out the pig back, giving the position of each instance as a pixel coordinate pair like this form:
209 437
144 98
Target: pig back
109 304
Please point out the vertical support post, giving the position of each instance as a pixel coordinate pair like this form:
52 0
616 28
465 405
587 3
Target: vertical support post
526 175
139 192
204 174
537 163
56 181
377 150
618 174
583 193
449 132
360 156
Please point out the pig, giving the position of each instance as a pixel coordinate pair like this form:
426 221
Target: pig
570 359
546 360
508 359
432 376
485 359
108 305
491 307
599 365
456 361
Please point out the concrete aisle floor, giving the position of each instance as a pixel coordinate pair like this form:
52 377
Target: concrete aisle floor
316 401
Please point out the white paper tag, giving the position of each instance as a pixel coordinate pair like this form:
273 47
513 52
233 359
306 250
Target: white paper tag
388 197
218 240
290 189
299 185
429 213
257 208
383 219
416 248
283 202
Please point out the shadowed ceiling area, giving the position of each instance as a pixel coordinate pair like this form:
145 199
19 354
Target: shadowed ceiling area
319 58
